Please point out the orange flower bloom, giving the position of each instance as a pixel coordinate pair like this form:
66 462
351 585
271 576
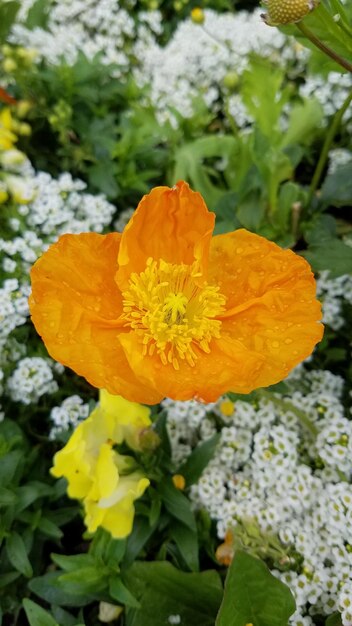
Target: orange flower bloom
166 310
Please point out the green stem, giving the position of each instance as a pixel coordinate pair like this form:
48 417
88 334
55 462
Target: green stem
342 21
286 405
326 147
323 47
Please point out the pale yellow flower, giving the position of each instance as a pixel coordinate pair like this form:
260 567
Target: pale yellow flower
107 482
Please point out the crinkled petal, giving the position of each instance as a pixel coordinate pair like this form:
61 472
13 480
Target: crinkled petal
75 307
172 224
228 366
271 303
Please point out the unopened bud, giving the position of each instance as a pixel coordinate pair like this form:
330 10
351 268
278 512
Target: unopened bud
288 11
149 440
197 15
179 481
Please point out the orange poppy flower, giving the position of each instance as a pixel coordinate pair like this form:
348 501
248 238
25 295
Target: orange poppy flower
165 310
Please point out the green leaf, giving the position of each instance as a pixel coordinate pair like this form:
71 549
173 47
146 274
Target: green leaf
334 620
36 615
9 463
253 595
331 254
260 81
49 529
176 503
142 531
121 594
74 562
47 587
8 578
305 118
190 164
90 579
337 187
17 554
163 590
187 543
8 12
192 469
63 617
7 497
38 15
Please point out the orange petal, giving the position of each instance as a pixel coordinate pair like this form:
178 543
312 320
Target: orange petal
172 224
271 305
75 306
229 366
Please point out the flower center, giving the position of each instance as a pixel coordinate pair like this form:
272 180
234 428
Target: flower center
174 314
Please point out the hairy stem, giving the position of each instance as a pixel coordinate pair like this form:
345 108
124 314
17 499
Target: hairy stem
323 47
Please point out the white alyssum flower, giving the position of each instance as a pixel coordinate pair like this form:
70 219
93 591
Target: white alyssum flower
197 58
268 469
32 378
68 415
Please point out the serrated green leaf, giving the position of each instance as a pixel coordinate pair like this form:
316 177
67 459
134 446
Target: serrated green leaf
192 469
37 616
253 595
17 554
305 118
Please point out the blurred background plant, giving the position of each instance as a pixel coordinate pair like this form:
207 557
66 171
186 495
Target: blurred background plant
99 102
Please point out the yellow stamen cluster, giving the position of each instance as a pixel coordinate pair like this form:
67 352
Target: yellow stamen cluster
173 310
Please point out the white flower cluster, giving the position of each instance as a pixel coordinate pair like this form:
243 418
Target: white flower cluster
88 27
32 378
332 292
198 57
337 158
331 91
58 206
67 416
270 468
13 308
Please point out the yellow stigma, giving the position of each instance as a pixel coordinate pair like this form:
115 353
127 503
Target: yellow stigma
173 310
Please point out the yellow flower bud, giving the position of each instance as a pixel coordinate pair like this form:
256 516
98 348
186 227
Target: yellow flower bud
3 193
197 15
231 80
23 107
179 481
9 65
24 129
227 408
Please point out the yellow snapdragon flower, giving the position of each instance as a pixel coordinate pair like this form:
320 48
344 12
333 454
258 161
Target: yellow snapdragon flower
7 136
106 481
